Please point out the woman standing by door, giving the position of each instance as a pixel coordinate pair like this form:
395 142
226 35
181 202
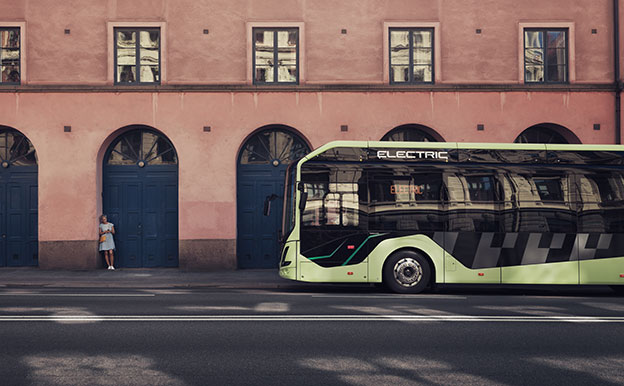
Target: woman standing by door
107 244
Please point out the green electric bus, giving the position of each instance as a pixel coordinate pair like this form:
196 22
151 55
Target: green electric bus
415 214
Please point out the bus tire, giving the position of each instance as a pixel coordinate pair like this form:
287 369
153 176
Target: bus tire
406 272
618 289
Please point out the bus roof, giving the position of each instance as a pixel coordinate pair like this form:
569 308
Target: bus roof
450 146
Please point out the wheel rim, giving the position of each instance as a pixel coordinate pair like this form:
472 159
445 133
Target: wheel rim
407 272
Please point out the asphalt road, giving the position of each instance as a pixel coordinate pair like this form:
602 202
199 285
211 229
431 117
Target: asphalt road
300 337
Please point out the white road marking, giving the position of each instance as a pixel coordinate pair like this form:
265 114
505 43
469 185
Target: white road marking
272 307
315 318
432 297
75 295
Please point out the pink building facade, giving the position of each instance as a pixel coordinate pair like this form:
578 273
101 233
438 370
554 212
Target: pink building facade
177 118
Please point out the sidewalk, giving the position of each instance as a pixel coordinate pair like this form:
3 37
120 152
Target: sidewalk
142 278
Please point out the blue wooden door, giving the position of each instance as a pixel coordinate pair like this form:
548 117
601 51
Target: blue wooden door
141 200
261 171
18 200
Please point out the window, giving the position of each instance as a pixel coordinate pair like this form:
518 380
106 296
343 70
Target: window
275 55
481 188
137 56
546 55
334 197
405 199
549 188
411 55
10 56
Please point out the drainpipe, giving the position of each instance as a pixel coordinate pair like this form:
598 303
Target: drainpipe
616 63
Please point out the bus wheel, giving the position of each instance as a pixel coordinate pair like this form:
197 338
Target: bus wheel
618 289
406 272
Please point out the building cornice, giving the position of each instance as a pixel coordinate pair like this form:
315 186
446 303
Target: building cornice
244 88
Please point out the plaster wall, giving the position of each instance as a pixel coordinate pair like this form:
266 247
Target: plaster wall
330 57
70 163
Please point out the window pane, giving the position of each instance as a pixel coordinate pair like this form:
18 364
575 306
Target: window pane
481 188
149 74
149 56
399 47
422 39
9 38
399 73
556 56
557 74
150 39
533 39
533 57
556 39
126 56
122 155
287 56
534 73
126 39
257 150
162 153
422 56
9 56
422 74
126 74
10 74
263 47
549 188
3 149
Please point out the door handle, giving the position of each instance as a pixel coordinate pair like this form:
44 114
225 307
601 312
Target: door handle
4 236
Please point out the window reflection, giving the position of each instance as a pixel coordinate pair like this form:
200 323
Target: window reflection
334 198
545 56
141 145
411 55
275 55
16 149
273 145
408 133
137 55
540 134
9 55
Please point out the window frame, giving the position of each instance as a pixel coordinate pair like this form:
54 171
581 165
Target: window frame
571 47
275 30
137 64
545 32
20 27
411 64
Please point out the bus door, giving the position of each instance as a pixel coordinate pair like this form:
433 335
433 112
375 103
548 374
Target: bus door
334 223
473 226
540 245
600 207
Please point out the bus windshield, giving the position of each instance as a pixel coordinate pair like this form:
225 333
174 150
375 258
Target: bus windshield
288 216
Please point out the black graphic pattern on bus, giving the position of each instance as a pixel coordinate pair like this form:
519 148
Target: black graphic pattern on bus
479 250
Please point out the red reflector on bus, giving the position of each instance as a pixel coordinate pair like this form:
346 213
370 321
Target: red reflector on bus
481 274
350 246
349 273
622 275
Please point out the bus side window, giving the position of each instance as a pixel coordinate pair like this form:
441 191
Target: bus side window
601 200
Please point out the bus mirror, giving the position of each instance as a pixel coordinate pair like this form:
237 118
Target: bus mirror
302 201
301 186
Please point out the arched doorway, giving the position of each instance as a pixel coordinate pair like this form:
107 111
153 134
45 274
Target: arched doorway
18 200
140 196
412 133
547 133
262 164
